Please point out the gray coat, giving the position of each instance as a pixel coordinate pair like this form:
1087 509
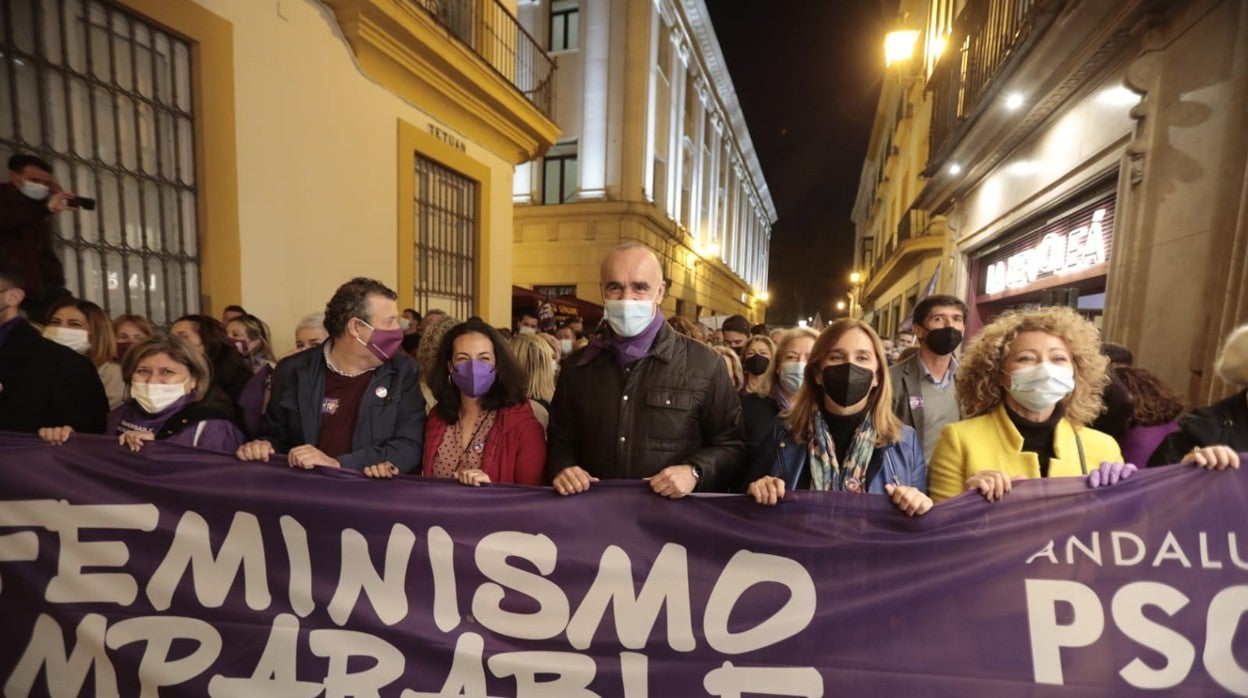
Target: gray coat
906 377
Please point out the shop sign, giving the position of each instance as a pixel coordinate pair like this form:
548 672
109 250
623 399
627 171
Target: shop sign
1058 253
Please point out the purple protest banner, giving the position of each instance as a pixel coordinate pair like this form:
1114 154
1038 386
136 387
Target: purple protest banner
176 572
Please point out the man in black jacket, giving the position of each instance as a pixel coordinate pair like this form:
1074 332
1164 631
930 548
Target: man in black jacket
42 384
642 401
355 401
27 202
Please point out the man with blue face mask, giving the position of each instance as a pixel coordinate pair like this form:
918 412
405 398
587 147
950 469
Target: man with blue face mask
642 401
27 202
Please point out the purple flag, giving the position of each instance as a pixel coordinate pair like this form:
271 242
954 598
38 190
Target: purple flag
185 573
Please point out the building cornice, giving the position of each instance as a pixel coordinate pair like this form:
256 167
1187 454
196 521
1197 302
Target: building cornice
404 49
709 54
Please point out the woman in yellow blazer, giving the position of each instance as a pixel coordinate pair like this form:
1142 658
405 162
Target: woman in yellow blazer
1030 383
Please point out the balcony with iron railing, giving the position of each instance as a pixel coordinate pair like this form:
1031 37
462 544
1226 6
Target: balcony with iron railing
912 242
989 37
492 32
468 63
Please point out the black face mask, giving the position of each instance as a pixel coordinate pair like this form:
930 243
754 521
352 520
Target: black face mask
944 340
847 384
756 365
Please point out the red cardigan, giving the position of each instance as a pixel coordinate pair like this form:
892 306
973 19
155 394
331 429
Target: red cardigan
515 450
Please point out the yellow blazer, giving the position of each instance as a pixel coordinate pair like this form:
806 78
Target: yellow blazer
991 442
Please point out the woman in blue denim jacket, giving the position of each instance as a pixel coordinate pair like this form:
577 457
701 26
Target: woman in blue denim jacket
841 434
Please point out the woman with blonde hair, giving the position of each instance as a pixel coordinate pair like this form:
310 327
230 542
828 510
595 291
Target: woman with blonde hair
536 358
128 330
84 327
250 336
1030 383
840 433
756 360
774 392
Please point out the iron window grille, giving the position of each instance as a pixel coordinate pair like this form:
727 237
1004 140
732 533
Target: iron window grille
446 233
105 97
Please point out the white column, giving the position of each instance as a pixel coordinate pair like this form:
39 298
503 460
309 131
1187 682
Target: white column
676 160
652 99
591 155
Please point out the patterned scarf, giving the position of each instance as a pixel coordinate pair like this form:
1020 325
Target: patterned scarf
825 472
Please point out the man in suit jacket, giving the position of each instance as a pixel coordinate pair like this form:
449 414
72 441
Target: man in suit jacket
924 394
355 401
42 384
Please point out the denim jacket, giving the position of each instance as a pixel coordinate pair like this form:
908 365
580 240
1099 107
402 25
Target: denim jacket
784 457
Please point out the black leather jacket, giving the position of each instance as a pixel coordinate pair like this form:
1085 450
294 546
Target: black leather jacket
675 406
1224 423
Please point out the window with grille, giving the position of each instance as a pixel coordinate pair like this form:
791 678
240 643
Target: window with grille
105 97
446 235
563 25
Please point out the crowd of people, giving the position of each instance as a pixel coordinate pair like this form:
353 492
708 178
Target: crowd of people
666 401
643 397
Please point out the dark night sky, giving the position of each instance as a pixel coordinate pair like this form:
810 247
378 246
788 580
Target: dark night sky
807 74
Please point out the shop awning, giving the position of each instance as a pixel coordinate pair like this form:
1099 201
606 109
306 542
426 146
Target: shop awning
560 308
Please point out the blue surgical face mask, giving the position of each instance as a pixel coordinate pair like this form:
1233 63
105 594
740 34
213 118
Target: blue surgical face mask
791 376
629 318
1039 387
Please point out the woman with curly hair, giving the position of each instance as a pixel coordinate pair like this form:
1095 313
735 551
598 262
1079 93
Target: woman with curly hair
482 430
841 433
1030 383
1154 409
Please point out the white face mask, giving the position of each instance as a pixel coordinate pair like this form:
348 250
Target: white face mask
791 376
35 190
565 347
1039 387
525 329
554 366
155 397
629 318
73 337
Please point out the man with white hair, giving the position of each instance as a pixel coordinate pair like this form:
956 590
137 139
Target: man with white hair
643 401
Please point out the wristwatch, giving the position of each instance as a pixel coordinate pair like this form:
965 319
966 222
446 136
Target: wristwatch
697 471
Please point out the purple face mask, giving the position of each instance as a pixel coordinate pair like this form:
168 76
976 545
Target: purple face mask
474 378
383 343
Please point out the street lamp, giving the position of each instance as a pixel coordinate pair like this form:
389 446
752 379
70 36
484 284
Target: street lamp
855 282
840 306
899 45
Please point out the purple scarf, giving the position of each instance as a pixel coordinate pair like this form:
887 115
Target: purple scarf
626 349
128 416
782 400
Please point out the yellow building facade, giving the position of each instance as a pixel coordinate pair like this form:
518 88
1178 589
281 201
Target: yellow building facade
654 148
315 141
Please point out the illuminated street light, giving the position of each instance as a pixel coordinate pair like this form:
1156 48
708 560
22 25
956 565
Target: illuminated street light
899 45
855 277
